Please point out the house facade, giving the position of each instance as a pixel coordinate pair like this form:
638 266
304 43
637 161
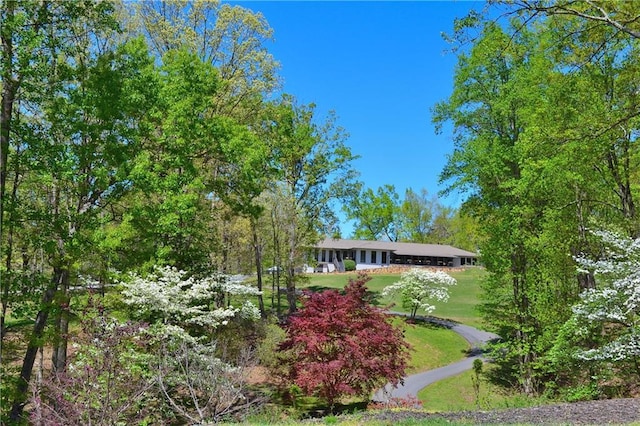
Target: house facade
331 253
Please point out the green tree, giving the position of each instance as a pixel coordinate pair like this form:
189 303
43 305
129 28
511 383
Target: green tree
72 154
524 104
416 216
487 111
231 38
375 213
314 170
466 232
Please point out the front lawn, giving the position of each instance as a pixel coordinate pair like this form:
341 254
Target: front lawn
457 393
433 346
461 307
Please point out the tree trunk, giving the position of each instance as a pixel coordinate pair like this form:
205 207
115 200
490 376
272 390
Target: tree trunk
258 258
291 285
59 355
9 89
291 291
35 342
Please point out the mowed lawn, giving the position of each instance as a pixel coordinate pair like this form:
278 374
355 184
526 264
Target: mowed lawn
461 307
432 346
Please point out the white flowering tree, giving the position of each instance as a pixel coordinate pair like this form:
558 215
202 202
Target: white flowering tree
170 295
186 311
607 317
597 350
419 287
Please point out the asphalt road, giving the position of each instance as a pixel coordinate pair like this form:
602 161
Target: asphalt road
413 384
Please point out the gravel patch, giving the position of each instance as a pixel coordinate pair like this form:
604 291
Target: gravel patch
603 412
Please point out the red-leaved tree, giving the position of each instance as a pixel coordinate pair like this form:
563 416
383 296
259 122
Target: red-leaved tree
338 345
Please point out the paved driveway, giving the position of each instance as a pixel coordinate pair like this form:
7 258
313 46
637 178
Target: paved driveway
413 384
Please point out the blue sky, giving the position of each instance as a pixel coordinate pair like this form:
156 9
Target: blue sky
381 66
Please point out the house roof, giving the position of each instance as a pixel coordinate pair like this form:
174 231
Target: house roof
406 249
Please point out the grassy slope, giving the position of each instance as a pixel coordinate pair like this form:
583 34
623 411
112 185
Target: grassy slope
461 306
433 346
457 393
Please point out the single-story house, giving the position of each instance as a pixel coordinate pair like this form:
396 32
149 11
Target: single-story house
331 253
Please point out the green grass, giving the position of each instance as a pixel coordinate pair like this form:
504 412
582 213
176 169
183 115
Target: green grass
432 346
461 306
457 394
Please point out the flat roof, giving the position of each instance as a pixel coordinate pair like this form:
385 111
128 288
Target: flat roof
401 249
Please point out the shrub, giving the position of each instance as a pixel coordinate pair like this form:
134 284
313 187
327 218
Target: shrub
349 265
338 344
106 380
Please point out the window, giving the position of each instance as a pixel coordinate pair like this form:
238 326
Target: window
330 255
373 256
384 257
324 255
363 256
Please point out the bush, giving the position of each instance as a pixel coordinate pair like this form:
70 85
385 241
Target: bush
349 265
340 345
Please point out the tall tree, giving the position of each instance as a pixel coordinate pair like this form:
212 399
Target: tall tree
486 110
314 170
527 97
416 216
375 213
231 38
77 113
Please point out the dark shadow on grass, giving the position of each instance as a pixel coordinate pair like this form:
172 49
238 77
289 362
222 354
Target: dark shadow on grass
322 410
427 322
317 288
373 297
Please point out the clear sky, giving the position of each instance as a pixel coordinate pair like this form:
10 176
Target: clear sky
381 66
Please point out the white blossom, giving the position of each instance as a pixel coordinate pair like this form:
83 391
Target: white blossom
420 286
179 299
614 304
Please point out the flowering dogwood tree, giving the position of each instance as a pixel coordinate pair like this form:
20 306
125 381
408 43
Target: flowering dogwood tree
420 286
609 315
185 313
185 301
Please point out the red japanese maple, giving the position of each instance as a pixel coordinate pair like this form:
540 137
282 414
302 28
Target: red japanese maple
341 345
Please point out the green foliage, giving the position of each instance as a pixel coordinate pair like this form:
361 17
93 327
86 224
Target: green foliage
530 138
349 265
376 213
266 351
416 216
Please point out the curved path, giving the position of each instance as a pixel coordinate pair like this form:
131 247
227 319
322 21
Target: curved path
413 384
